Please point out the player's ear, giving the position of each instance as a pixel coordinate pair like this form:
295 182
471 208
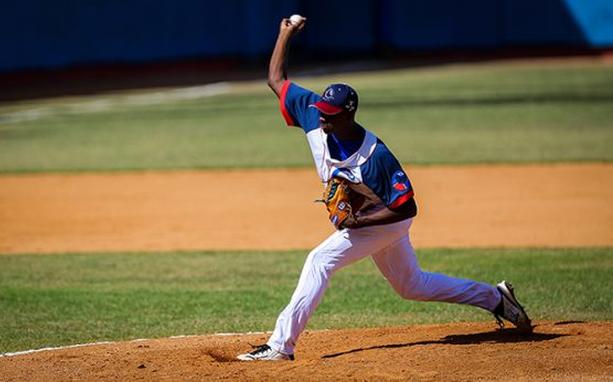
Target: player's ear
351 115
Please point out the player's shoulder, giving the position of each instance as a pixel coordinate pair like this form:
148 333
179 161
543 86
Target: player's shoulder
382 153
381 161
299 89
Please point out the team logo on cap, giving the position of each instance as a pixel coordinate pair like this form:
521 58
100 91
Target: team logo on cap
329 94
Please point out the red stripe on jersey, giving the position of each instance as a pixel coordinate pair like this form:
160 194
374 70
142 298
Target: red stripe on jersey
286 115
402 199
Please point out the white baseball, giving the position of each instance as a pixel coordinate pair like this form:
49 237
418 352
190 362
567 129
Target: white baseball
295 19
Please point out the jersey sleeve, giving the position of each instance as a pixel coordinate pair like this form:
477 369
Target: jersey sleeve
294 102
384 175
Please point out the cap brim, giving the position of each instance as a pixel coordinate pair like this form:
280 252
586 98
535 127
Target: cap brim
326 108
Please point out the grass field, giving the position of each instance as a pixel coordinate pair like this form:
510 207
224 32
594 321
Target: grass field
76 298
504 112
480 113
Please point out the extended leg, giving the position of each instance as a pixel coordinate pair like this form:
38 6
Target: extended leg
400 267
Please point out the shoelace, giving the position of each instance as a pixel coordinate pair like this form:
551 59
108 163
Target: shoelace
259 349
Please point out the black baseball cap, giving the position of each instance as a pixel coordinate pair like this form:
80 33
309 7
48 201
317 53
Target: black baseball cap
336 99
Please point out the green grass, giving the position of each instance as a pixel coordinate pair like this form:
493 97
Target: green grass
75 298
455 114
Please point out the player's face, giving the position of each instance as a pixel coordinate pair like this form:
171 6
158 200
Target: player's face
328 123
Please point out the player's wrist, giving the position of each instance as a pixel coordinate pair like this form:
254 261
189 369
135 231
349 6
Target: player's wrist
352 222
360 221
286 32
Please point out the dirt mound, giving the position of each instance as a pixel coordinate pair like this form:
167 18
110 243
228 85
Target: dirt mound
473 206
462 351
470 206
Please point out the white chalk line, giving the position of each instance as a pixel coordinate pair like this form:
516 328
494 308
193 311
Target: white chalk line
102 103
25 352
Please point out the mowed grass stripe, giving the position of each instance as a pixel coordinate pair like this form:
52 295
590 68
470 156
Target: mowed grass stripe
79 298
494 113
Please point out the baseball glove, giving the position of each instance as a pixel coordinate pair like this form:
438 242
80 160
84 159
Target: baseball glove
337 198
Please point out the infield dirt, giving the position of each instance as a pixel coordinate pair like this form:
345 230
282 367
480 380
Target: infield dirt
472 206
562 351
565 205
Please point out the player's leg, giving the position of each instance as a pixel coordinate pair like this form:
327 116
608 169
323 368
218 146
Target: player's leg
399 265
340 249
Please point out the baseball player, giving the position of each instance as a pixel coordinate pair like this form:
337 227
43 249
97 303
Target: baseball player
382 208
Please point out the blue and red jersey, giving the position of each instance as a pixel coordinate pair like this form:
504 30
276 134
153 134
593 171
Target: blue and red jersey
367 163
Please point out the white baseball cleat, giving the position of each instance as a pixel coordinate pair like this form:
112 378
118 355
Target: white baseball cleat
510 309
265 353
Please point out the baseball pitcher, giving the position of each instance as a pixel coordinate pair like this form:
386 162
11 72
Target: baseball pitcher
370 200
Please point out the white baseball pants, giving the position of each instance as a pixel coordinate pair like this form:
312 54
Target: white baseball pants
391 250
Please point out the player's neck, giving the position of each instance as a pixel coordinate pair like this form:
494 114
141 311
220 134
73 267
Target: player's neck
351 131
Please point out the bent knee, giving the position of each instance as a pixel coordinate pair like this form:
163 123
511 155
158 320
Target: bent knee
412 294
413 289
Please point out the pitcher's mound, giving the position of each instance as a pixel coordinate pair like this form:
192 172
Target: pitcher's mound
460 351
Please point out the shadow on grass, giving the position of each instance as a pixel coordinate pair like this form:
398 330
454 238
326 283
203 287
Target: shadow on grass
498 336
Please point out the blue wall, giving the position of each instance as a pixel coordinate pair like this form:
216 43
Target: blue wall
57 33
441 24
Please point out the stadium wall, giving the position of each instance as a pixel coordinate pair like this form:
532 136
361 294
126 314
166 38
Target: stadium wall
38 34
